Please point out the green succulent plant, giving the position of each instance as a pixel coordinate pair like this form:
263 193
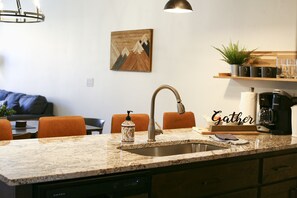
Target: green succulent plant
4 111
233 54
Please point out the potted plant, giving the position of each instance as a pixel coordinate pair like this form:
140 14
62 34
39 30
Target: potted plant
235 56
4 111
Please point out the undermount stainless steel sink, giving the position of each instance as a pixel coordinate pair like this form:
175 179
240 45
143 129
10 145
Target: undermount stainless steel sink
174 149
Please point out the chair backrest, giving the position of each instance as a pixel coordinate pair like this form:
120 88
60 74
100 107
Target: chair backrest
56 126
95 122
174 120
5 130
141 122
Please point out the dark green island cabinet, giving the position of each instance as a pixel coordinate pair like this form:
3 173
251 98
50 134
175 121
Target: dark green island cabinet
265 175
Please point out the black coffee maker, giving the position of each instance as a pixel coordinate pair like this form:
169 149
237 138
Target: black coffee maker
275 111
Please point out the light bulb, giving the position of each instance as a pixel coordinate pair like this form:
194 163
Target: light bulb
178 10
37 3
1 5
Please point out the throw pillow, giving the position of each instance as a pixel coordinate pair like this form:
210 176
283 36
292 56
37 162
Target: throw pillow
3 94
3 102
30 104
13 101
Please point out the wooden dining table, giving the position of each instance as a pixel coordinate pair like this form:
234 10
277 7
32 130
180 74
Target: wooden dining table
31 129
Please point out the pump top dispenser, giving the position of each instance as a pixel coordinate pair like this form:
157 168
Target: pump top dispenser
128 129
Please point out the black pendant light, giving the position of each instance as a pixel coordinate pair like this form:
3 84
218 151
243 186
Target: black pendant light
20 16
178 6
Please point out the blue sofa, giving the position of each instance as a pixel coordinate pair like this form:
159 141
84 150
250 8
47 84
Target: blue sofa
27 107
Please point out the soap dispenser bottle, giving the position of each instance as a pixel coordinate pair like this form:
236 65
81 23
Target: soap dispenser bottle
128 129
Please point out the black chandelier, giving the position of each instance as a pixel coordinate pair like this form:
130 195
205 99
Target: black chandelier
178 6
20 16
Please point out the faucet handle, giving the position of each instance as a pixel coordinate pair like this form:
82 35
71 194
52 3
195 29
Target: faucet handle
158 131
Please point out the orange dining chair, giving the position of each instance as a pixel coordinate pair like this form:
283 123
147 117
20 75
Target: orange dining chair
141 122
174 120
5 130
56 126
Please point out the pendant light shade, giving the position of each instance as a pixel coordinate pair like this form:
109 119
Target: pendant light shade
20 16
178 6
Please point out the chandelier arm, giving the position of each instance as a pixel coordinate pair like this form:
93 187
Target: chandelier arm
19 6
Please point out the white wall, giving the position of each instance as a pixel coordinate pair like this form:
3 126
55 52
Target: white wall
56 57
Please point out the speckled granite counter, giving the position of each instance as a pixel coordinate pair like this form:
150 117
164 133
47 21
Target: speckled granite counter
50 159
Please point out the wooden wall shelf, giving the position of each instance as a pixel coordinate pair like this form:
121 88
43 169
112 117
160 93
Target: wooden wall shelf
258 79
266 59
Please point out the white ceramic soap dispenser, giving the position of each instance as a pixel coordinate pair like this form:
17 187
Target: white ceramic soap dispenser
128 129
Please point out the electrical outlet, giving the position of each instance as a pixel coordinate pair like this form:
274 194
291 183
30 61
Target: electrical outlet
90 82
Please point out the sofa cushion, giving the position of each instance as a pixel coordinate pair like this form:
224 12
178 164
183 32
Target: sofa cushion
13 101
32 104
3 94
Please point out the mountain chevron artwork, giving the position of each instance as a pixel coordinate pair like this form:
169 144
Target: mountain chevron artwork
131 50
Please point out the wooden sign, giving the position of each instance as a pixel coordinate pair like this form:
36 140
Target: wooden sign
233 128
131 50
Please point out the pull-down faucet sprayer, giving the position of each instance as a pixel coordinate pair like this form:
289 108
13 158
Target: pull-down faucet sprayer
180 109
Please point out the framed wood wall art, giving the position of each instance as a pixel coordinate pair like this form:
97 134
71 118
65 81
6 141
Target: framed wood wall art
131 50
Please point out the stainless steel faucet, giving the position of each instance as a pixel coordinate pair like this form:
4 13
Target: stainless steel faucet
180 109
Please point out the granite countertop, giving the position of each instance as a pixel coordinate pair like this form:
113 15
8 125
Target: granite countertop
50 159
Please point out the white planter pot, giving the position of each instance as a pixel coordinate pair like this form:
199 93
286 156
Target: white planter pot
234 70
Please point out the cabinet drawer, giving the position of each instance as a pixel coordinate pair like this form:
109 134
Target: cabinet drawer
278 190
250 193
279 168
205 181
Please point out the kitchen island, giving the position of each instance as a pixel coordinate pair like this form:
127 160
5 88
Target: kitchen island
42 167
